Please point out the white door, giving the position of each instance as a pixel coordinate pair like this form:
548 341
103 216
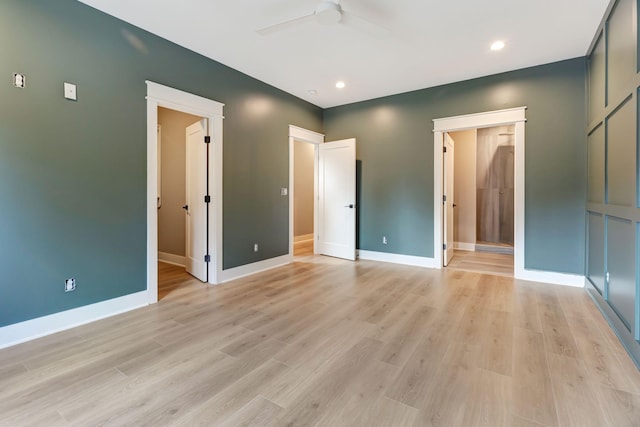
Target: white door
448 199
337 199
195 206
159 166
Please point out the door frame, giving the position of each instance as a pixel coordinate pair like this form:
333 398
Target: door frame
163 96
299 134
511 116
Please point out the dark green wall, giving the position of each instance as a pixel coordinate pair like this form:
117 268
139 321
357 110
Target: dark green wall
395 148
73 174
613 204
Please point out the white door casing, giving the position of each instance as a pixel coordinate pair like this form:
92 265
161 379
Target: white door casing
195 206
337 199
304 135
448 153
515 116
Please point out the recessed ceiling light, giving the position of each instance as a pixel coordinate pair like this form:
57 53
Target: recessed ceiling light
340 85
312 92
498 45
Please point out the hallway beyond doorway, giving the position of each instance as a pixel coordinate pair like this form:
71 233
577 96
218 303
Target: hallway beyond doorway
483 262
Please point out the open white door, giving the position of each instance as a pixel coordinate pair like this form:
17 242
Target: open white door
448 199
337 199
195 207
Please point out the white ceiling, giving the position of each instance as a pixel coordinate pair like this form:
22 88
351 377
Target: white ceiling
429 42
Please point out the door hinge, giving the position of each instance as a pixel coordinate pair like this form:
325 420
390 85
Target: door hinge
207 199
444 149
444 246
207 139
444 198
207 258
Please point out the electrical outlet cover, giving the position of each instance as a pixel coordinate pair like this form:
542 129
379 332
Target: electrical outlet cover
70 91
19 80
70 285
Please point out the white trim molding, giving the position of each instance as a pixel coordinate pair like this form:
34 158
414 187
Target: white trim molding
299 134
515 116
253 268
464 246
46 325
178 260
553 278
164 96
415 261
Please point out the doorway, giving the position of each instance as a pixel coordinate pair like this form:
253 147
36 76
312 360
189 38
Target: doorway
442 127
182 171
304 197
170 98
303 143
334 204
482 171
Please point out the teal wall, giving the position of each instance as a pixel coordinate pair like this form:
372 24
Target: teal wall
73 174
613 204
395 148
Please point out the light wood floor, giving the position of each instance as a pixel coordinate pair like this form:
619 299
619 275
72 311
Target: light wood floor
482 262
332 343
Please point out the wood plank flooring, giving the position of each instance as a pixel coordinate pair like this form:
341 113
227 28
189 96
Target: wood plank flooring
482 262
325 342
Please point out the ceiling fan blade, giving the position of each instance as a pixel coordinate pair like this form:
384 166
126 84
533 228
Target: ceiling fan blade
284 25
363 25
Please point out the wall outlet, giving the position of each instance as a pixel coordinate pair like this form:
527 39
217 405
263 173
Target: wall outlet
70 285
255 247
384 240
70 92
19 80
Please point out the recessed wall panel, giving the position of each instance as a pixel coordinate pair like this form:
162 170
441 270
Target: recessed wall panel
621 43
595 261
596 166
597 67
621 267
621 156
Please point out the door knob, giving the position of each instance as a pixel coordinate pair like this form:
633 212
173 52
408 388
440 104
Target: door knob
185 207
350 206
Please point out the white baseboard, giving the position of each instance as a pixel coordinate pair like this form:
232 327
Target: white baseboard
46 325
564 279
464 246
178 260
397 258
256 267
303 238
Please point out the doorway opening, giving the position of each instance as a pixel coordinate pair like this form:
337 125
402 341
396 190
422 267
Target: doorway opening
334 199
303 191
182 170
204 213
304 197
515 120
482 193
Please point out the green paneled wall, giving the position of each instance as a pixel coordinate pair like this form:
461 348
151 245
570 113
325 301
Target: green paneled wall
395 148
612 207
73 174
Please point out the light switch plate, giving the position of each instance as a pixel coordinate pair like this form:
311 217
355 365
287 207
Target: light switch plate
284 191
70 91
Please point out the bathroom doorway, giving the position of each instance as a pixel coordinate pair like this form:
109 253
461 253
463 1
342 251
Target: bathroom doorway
483 199
496 129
